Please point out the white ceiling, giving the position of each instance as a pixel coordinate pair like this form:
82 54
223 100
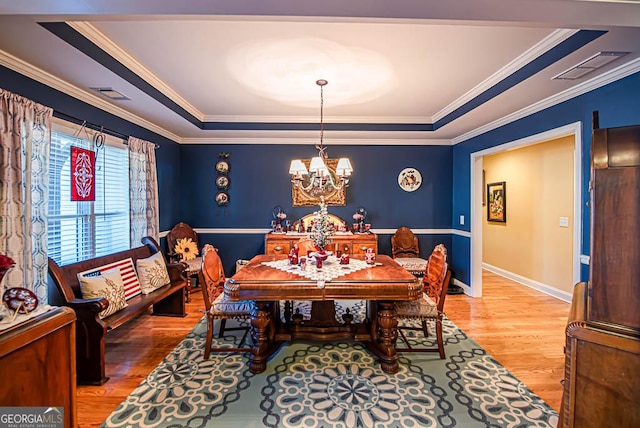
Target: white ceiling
247 68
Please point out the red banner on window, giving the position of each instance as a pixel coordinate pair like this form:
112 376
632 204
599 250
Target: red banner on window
83 166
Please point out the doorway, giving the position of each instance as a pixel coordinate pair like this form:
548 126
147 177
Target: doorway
477 210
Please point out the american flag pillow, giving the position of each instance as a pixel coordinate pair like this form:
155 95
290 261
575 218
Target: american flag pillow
128 272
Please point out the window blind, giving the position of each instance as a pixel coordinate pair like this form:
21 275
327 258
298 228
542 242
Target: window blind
82 230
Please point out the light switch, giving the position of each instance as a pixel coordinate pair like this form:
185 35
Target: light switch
461 220
564 221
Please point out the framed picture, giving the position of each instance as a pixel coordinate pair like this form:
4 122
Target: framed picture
497 202
335 197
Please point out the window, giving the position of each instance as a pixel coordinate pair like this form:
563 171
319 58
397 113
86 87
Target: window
82 230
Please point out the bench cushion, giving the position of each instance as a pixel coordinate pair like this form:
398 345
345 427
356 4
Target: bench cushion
128 272
152 273
108 285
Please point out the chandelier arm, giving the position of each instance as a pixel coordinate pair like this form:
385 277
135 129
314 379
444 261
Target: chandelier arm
317 179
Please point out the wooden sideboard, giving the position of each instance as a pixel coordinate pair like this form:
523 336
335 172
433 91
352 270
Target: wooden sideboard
352 243
38 363
602 360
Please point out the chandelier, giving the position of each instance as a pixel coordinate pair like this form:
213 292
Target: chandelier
318 175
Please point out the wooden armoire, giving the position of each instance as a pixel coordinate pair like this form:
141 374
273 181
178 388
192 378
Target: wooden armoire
602 353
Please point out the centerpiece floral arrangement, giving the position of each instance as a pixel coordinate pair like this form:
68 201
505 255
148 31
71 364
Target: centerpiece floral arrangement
187 249
322 229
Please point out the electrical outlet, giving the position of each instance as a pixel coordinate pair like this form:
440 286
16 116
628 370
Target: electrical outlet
461 220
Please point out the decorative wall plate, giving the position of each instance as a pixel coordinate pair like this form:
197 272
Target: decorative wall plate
222 198
409 179
222 182
20 299
222 166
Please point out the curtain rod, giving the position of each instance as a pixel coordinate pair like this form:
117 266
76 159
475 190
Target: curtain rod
93 126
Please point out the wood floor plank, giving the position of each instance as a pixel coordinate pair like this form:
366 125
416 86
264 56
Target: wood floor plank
522 328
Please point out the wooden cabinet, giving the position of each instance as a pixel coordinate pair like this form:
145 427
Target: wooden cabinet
38 363
354 244
602 357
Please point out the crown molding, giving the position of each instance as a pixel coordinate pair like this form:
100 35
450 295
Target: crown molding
355 141
549 42
104 43
35 73
314 119
604 79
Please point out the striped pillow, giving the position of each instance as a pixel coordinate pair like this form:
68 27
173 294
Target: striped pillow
128 272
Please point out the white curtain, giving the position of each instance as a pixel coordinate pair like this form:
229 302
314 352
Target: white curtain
143 184
25 139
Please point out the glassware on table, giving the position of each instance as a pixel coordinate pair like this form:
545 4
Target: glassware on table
370 256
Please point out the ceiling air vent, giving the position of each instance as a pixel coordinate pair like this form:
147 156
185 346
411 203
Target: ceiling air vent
111 94
588 65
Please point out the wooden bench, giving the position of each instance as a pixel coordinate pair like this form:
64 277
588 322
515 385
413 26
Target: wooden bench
168 300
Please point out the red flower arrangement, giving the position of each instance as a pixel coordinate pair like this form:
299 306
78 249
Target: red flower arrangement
6 262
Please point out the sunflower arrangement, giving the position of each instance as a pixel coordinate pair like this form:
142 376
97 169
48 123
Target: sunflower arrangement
187 249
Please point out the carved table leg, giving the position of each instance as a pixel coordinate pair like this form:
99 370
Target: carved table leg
384 335
260 320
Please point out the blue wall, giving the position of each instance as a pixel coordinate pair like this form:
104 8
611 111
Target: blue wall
167 156
618 104
259 180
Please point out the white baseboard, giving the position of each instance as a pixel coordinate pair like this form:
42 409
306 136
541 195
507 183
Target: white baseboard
465 287
543 288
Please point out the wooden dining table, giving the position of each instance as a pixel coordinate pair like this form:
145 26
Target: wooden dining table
380 285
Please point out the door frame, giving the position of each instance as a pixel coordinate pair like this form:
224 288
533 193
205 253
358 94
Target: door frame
476 210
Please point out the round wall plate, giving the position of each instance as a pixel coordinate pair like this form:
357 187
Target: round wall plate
409 179
222 167
222 182
222 199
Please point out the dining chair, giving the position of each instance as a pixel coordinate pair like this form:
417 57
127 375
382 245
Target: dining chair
428 309
218 306
182 231
404 243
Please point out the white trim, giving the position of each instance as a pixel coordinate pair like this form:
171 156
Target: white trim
357 138
35 73
106 44
260 231
314 119
585 259
244 231
574 129
420 231
248 231
465 287
604 79
463 233
539 286
546 44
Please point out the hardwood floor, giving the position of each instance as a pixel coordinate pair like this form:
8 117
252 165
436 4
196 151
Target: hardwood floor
522 328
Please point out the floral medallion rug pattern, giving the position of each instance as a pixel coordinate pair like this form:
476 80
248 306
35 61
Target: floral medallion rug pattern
332 384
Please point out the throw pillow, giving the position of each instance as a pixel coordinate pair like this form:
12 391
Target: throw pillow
108 285
128 272
152 273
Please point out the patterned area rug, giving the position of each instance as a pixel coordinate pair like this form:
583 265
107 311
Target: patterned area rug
323 384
